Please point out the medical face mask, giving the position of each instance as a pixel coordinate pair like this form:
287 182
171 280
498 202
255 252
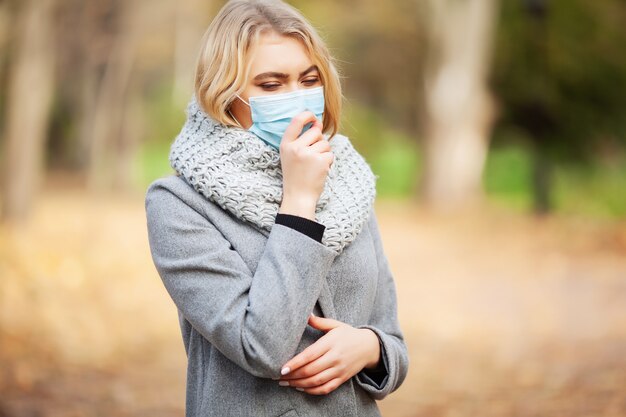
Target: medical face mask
272 114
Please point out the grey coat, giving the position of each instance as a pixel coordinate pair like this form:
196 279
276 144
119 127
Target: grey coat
244 299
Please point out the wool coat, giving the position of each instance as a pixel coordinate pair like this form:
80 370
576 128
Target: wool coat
244 298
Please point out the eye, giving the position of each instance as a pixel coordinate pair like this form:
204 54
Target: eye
269 86
311 81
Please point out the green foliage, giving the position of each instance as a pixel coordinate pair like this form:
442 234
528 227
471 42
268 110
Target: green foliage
563 77
167 120
398 165
393 156
154 163
507 176
595 189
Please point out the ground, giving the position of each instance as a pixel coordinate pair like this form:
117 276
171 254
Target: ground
503 314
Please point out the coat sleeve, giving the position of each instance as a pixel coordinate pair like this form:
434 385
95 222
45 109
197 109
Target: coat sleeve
394 363
256 319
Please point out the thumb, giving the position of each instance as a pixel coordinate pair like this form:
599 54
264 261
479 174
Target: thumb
323 323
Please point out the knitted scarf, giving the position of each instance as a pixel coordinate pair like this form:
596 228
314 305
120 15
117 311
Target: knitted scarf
242 174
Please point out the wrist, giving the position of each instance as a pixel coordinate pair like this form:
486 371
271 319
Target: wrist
298 206
374 349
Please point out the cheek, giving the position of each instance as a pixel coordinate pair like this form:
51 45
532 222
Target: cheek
242 112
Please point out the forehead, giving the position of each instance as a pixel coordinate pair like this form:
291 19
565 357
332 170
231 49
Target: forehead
279 53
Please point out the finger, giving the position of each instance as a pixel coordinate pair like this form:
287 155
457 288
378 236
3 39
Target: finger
323 323
312 368
309 354
330 157
297 124
315 380
320 146
315 123
318 124
327 388
311 136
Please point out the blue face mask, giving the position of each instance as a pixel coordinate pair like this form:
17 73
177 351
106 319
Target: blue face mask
272 114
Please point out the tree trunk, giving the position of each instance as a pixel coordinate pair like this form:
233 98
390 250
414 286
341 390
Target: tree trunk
29 95
458 106
108 133
190 24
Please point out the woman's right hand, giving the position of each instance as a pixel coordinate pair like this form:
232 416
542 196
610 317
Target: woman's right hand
305 161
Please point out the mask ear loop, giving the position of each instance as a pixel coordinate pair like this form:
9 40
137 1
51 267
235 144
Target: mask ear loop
231 115
246 103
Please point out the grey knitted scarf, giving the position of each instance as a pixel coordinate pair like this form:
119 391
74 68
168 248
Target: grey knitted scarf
242 174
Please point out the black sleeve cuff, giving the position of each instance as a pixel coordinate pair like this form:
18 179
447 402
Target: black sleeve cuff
309 227
378 373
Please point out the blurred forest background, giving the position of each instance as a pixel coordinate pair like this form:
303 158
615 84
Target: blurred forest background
498 130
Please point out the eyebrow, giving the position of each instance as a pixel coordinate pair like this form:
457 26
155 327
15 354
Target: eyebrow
282 75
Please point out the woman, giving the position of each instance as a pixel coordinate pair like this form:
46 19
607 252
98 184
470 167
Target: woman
266 238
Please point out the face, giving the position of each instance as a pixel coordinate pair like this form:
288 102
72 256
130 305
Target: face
280 64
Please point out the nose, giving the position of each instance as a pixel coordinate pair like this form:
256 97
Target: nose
293 86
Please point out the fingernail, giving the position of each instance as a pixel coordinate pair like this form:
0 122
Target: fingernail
300 389
285 370
313 314
283 383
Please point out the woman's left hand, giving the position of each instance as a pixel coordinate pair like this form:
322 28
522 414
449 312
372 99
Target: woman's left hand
333 359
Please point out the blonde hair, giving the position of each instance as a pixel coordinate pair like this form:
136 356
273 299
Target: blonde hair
223 64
